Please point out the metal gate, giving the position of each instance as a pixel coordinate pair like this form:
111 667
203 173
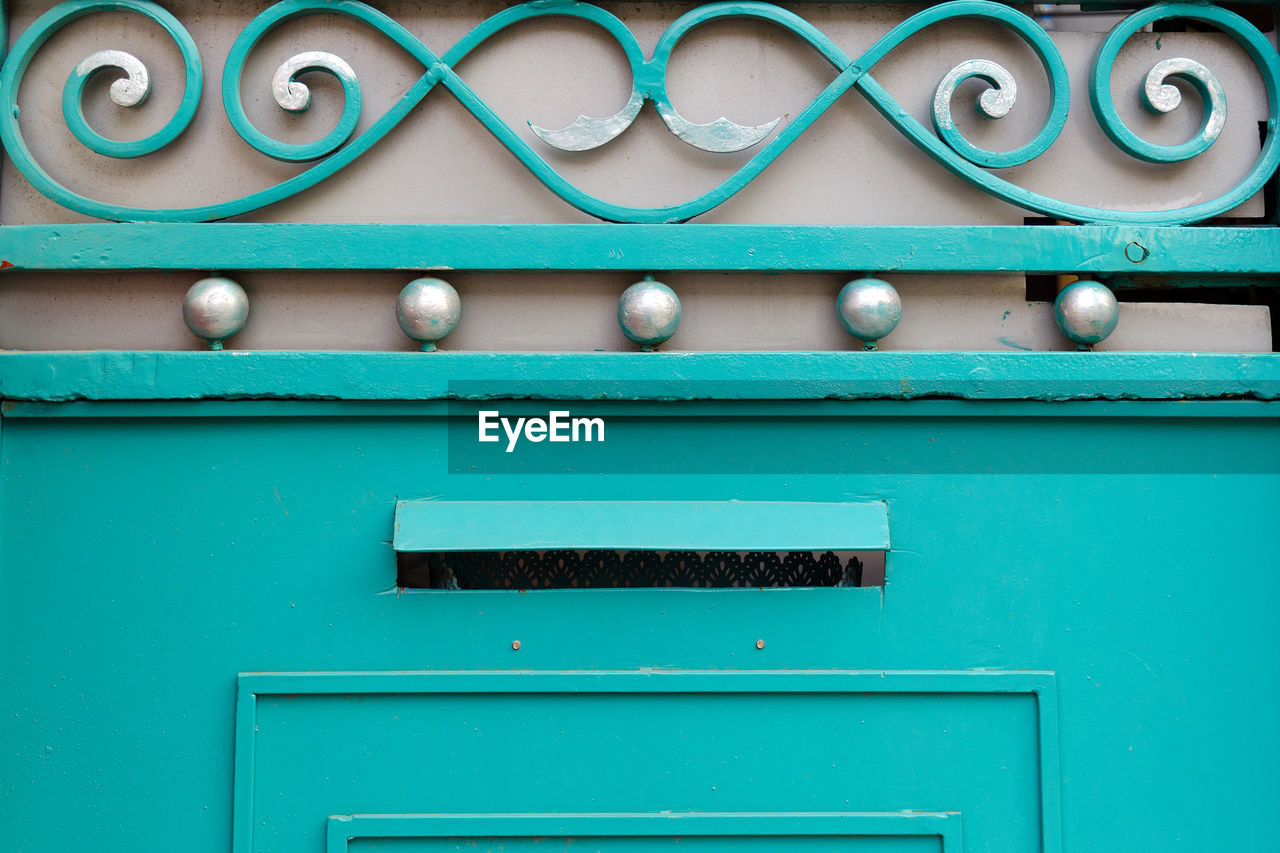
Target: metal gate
652 597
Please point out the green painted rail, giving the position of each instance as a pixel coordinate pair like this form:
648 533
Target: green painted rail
766 248
42 376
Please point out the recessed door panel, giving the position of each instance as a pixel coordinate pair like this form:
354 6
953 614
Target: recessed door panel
913 832
980 746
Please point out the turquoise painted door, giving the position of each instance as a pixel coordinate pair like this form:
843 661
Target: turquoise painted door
1064 653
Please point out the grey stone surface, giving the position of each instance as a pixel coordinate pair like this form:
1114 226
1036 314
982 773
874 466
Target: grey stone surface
576 312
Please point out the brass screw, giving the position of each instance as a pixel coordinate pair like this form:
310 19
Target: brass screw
515 645
759 644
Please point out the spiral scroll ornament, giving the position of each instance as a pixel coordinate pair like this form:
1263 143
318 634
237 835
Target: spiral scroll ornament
944 142
128 91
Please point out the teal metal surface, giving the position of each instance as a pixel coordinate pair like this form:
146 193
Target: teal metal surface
818 408
635 376
1190 252
263 705
342 145
132 596
438 525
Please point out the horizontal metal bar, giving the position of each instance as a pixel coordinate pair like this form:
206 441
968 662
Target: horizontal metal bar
44 376
1038 683
681 824
684 826
441 526
1130 249
648 409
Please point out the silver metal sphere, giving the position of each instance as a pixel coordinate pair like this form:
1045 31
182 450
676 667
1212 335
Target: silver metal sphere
869 308
649 313
215 309
428 310
1086 311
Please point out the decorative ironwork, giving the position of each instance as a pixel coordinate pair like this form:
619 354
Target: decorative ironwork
341 146
609 569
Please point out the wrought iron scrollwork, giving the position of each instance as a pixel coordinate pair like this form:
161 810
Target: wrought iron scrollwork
945 143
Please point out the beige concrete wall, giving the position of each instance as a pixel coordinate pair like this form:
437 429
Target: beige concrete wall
440 165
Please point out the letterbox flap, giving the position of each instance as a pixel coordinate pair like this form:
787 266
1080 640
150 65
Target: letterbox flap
443 525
